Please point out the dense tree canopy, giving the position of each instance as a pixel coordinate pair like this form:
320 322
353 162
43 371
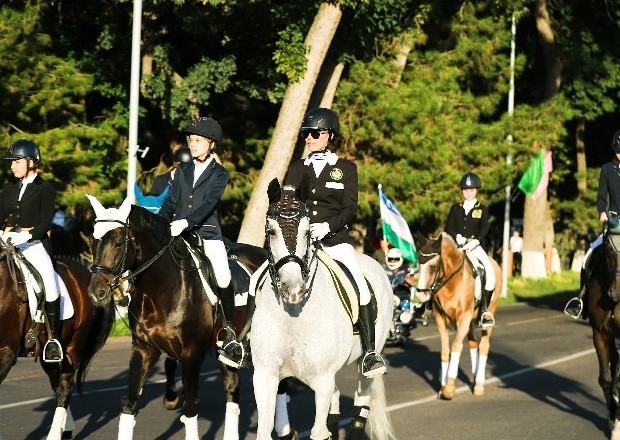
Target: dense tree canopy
414 127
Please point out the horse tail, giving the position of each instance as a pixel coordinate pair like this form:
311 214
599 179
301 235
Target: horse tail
379 421
97 337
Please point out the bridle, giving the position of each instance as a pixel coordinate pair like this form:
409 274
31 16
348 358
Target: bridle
117 271
304 263
439 278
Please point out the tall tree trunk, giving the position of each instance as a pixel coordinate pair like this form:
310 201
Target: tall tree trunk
582 176
538 235
291 114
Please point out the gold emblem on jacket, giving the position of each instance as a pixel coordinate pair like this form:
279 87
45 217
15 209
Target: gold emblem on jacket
476 213
336 174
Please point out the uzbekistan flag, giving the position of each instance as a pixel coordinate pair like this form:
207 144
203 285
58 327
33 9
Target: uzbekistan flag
395 228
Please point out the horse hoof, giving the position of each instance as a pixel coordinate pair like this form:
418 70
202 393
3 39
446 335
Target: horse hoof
447 392
290 436
479 390
171 404
67 435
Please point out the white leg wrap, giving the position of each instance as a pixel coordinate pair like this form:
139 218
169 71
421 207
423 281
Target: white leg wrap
191 427
473 354
453 368
231 423
482 365
125 426
69 422
60 415
282 425
444 373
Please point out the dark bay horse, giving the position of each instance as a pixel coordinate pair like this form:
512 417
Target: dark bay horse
603 302
169 312
448 277
82 335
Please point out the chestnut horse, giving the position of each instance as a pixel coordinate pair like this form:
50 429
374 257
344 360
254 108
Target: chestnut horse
603 302
82 335
169 311
447 276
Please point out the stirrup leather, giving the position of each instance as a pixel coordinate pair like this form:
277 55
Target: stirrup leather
570 310
50 344
377 360
489 316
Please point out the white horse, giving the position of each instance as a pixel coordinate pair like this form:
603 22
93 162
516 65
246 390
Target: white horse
301 329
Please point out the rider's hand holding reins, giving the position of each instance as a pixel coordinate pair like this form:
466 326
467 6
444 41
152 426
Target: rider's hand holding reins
17 238
460 240
471 244
318 231
178 226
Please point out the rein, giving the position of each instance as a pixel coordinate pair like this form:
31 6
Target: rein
119 269
439 280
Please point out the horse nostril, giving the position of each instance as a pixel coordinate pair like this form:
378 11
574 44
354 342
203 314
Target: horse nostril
101 294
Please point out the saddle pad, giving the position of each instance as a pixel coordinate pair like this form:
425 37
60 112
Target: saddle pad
34 291
344 285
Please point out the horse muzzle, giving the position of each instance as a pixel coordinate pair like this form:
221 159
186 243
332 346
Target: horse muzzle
293 295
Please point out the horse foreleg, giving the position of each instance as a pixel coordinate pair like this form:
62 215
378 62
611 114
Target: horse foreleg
323 387
333 418
142 359
444 337
449 389
265 390
231 390
171 397
481 362
191 371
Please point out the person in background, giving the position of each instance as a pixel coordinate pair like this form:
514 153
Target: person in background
468 224
332 205
607 204
163 181
516 246
26 213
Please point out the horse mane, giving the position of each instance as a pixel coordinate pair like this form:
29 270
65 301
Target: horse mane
154 224
448 246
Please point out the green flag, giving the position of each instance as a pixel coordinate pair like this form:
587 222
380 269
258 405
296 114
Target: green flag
533 175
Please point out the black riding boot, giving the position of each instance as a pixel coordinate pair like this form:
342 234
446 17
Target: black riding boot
574 307
372 362
486 318
52 352
231 352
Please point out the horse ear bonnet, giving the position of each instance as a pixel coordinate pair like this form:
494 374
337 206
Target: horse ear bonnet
303 190
274 191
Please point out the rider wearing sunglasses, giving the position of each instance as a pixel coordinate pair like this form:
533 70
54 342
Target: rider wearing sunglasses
331 205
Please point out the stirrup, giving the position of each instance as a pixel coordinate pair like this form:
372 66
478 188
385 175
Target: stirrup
228 354
229 333
53 345
575 310
490 320
378 360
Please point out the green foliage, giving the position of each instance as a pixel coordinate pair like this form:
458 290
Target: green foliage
290 53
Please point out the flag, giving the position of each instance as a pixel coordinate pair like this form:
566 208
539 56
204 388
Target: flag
536 178
395 228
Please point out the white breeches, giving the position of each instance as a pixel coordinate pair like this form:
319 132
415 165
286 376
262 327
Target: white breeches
216 253
345 253
596 243
482 256
35 253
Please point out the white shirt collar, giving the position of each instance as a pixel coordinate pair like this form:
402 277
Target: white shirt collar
468 205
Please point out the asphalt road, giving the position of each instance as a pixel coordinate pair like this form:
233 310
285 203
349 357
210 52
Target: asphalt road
541 384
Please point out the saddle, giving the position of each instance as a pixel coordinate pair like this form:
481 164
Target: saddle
240 275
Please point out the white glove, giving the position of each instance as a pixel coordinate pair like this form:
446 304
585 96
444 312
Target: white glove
17 238
471 245
460 240
178 226
318 231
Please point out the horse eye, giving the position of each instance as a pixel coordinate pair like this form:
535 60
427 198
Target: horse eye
271 232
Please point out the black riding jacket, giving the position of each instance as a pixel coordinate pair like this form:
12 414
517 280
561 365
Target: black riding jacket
609 187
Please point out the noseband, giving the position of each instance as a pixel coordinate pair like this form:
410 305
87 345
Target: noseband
304 263
439 279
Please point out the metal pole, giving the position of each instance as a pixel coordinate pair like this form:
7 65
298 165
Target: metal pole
511 106
134 99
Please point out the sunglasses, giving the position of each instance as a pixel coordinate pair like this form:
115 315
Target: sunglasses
314 132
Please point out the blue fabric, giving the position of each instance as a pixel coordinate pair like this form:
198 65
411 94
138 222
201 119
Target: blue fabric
152 203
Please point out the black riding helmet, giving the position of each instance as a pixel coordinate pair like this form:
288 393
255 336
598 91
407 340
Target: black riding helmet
321 119
24 148
183 154
206 127
470 180
615 142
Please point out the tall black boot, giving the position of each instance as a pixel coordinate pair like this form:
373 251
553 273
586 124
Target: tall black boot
574 307
372 362
245 342
52 352
486 318
231 352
